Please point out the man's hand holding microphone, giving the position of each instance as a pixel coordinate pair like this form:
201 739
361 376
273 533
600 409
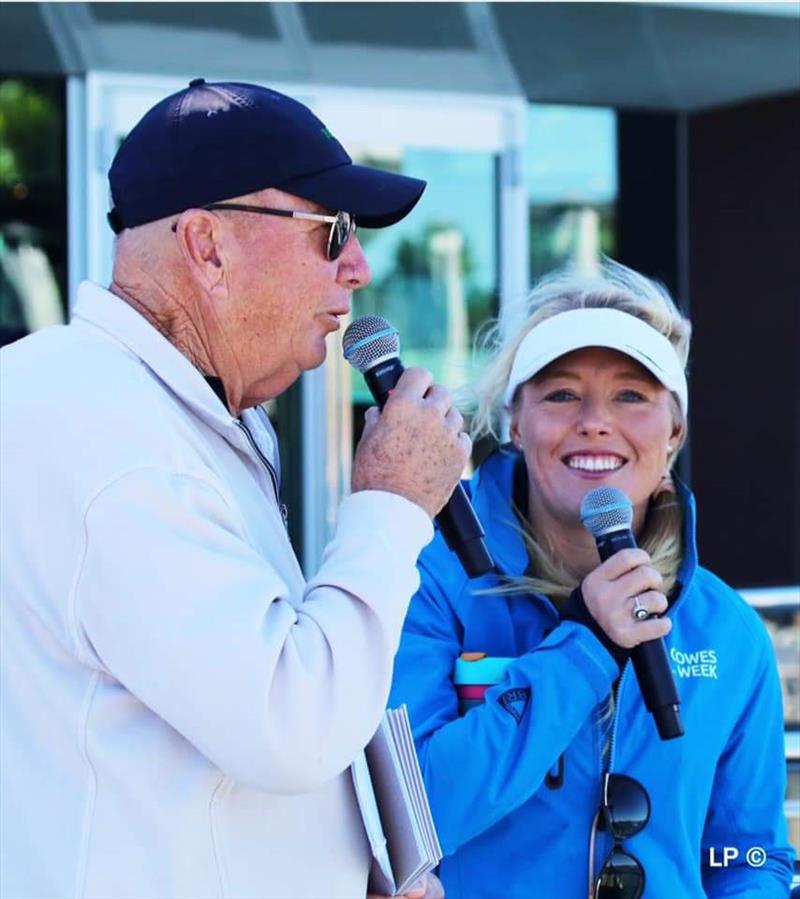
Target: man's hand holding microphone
371 345
415 446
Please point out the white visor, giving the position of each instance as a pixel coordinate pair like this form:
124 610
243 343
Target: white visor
581 328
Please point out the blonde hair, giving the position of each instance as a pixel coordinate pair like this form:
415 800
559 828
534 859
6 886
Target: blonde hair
615 287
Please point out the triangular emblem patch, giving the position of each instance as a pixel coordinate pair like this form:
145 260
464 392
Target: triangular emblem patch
516 701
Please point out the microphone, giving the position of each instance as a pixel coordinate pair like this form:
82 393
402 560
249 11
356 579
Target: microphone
607 514
372 345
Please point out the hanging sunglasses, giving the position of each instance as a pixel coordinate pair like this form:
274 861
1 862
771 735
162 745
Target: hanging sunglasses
624 812
343 225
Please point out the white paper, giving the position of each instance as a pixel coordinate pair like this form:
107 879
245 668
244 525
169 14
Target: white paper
394 807
365 794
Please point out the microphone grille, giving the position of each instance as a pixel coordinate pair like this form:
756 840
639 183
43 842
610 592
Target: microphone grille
606 509
368 339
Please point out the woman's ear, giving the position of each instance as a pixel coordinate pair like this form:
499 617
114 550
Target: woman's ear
675 437
513 432
678 431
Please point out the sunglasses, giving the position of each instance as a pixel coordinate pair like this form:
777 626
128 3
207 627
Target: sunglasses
624 812
343 225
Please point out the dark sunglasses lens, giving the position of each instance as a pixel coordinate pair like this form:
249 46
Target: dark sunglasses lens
341 230
628 808
622 877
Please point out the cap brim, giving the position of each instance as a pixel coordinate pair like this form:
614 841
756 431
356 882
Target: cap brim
375 197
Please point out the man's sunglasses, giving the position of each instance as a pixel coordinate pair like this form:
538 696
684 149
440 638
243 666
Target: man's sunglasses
343 225
624 812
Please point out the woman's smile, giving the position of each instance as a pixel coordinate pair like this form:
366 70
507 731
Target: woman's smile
594 465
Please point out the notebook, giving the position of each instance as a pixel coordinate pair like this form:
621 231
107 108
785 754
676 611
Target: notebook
394 807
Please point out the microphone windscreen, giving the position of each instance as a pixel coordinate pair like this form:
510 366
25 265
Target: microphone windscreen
369 339
606 509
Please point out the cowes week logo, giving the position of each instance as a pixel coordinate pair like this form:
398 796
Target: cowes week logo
701 663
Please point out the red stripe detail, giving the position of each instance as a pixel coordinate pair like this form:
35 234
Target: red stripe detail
472 691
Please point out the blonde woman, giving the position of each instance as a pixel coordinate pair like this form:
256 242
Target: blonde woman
546 775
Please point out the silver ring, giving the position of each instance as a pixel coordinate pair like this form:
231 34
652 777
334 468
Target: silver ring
640 613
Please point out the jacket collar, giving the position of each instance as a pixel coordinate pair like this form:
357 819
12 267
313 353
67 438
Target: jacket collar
492 488
104 310
690 561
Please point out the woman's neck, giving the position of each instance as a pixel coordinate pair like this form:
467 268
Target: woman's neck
573 548
569 544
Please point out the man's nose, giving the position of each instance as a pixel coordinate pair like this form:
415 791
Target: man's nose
354 271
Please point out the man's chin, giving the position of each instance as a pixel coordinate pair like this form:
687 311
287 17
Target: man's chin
316 355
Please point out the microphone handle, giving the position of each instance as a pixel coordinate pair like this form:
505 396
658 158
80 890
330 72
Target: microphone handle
382 378
457 521
650 659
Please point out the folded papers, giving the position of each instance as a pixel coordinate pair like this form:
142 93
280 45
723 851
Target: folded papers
394 807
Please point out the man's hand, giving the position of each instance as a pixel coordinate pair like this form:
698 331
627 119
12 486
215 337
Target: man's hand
427 887
415 447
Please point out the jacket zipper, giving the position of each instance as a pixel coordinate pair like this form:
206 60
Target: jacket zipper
615 720
268 465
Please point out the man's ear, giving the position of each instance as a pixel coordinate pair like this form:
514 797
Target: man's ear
199 236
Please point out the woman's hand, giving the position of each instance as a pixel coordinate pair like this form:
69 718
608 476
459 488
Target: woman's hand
610 593
427 887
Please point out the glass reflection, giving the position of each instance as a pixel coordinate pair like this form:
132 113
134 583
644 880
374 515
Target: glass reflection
571 173
33 236
435 272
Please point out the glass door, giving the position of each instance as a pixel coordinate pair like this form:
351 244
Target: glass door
438 275
33 194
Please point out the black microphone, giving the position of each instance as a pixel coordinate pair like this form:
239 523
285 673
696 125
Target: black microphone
607 514
372 346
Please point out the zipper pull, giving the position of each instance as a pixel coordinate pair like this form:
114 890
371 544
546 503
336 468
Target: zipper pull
554 779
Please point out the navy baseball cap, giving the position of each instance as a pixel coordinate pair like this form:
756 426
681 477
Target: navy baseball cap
214 142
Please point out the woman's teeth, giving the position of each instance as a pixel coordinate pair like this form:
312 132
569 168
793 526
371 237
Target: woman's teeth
595 463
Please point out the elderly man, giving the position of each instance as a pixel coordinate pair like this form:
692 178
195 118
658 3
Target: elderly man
179 706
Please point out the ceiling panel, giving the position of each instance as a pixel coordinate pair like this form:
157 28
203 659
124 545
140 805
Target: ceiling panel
414 25
252 19
668 57
632 55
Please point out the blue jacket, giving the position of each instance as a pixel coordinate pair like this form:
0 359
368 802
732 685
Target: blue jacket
510 822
